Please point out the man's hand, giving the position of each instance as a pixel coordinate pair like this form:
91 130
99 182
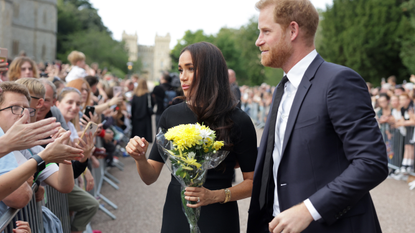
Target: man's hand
293 220
59 152
40 194
22 136
109 135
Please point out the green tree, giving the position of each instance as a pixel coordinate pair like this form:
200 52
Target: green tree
364 35
81 28
254 72
239 50
99 47
188 39
408 42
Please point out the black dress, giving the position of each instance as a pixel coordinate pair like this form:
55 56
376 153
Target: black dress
141 117
216 217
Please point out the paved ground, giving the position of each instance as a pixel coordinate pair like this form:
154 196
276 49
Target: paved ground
140 206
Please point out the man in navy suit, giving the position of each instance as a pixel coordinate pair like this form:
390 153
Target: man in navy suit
321 151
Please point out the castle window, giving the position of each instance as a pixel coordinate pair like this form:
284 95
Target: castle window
43 52
16 10
15 49
45 18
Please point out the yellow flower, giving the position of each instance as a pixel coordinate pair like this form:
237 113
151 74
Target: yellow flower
190 161
184 136
218 144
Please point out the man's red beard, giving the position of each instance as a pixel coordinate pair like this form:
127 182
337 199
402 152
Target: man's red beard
278 55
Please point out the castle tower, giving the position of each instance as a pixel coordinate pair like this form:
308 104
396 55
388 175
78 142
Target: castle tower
162 60
131 45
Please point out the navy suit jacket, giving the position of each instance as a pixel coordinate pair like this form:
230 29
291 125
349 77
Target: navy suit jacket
333 153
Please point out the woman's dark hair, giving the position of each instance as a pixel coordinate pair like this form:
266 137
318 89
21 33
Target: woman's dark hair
92 80
210 95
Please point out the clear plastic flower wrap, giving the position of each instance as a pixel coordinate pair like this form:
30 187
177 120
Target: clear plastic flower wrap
189 151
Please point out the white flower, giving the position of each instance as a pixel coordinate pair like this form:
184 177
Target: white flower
191 155
205 133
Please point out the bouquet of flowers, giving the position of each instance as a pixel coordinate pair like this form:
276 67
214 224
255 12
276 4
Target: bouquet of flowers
189 151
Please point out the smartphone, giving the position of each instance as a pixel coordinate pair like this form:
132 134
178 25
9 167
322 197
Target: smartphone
116 90
3 54
91 127
89 109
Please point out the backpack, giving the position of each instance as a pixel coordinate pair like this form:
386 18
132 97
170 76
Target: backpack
168 98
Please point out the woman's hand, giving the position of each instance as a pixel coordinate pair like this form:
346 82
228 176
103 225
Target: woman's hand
87 145
137 148
203 196
91 117
3 66
90 182
22 227
116 100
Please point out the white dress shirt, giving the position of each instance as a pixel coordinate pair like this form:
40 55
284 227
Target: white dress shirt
295 75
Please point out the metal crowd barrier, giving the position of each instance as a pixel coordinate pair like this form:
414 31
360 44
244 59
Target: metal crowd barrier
395 146
100 175
32 212
58 203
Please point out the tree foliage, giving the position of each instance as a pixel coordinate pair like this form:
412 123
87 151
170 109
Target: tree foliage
81 28
365 35
239 50
408 43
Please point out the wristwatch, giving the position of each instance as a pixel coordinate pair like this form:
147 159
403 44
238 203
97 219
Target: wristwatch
40 163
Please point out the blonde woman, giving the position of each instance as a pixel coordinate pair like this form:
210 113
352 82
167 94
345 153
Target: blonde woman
141 111
22 67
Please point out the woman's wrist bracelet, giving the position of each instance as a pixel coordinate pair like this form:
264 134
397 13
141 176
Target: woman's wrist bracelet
228 195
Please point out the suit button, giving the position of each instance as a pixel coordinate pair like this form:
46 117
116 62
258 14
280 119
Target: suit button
348 208
344 211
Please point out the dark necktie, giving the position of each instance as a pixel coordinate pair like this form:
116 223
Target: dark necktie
267 169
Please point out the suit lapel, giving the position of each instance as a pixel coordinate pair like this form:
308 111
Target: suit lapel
302 90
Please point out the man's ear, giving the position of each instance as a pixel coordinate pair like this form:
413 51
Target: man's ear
294 30
40 103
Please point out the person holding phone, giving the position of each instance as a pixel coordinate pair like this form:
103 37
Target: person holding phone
85 90
85 205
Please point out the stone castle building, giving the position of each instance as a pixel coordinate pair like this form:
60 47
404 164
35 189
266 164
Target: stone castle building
30 26
155 59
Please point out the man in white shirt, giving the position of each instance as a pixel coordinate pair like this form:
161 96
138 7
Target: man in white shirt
321 151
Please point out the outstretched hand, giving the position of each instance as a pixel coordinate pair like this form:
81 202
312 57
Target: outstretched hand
23 136
59 152
137 148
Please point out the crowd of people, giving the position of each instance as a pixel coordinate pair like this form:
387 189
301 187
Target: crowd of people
44 111
394 107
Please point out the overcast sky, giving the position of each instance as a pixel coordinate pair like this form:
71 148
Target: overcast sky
151 17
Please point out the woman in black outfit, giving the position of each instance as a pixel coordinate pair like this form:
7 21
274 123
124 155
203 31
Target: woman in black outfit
208 100
141 111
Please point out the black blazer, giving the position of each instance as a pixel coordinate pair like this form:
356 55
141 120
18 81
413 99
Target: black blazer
333 153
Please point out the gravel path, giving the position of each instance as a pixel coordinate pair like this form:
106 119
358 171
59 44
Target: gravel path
140 206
